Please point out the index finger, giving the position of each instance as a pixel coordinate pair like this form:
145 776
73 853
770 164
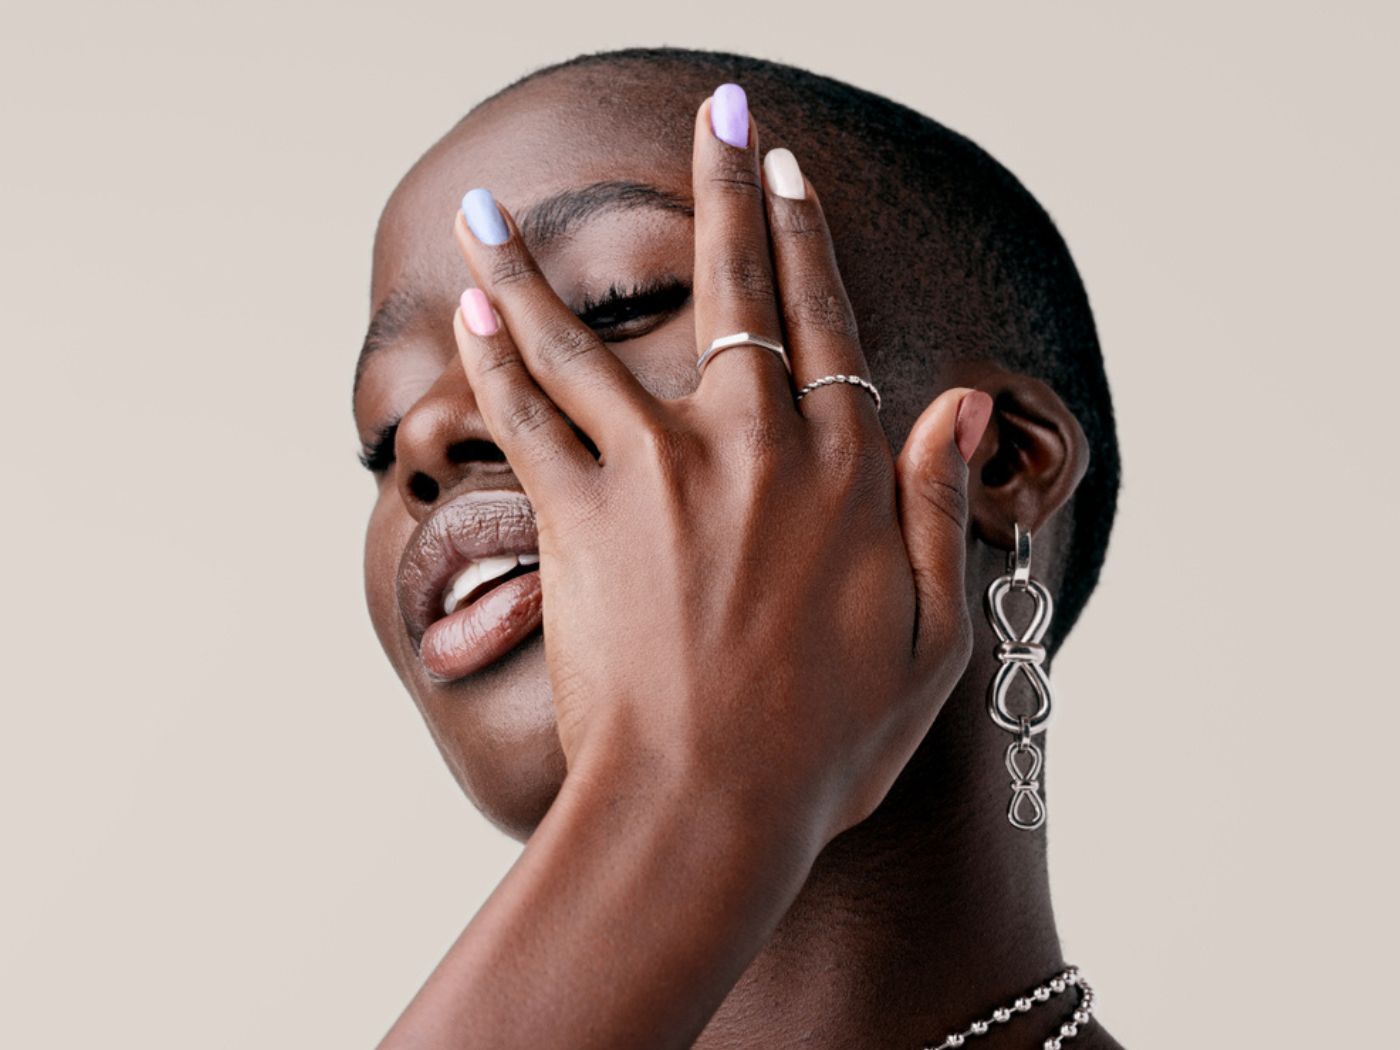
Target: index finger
566 358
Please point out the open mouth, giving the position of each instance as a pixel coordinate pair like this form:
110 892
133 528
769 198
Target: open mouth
482 575
469 583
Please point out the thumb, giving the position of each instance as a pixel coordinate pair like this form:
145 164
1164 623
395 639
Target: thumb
932 474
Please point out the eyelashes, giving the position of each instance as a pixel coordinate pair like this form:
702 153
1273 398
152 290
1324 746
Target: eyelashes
378 455
619 314
626 313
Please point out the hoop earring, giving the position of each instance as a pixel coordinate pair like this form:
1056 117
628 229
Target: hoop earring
1021 655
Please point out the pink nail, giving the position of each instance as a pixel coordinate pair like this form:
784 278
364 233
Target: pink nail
477 312
974 413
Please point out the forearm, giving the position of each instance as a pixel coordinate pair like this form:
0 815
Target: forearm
631 913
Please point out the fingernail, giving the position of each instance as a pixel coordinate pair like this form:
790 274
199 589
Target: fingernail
477 312
783 175
729 115
974 413
484 218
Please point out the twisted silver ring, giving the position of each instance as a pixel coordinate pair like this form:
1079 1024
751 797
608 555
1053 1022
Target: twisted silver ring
864 384
728 342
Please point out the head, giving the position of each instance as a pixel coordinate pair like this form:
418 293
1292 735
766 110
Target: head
956 274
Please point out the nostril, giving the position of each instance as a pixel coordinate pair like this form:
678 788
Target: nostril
424 488
475 451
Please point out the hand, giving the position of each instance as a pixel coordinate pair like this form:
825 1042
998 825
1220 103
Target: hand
742 593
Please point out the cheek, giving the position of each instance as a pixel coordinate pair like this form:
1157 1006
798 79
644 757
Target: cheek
498 736
495 730
388 531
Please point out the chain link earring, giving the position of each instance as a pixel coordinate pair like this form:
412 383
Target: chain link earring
1021 656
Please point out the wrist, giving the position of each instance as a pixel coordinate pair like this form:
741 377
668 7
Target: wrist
680 879
775 827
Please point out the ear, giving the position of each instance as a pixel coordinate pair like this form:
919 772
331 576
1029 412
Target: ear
1030 460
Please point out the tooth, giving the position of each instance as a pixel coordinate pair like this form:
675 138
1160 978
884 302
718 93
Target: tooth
462 585
498 566
477 573
528 559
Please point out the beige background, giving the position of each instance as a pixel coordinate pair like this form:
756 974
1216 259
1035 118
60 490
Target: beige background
223 824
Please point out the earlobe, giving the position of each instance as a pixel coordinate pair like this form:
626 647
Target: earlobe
1030 461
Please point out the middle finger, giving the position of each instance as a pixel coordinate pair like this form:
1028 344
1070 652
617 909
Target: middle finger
734 289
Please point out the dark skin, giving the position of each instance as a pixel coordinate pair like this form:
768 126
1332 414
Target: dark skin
781 941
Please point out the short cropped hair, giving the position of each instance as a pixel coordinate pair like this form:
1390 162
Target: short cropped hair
1000 286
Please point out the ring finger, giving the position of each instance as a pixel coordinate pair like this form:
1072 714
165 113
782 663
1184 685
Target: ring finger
817 315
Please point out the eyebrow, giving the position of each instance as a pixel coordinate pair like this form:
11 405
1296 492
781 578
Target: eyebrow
555 217
395 315
542 223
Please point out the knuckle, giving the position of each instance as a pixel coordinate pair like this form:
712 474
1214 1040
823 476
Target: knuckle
512 267
577 502
666 448
736 175
763 440
497 360
560 342
742 275
947 500
821 308
525 415
858 464
841 442
794 222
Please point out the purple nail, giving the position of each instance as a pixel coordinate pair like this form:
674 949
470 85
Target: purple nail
729 115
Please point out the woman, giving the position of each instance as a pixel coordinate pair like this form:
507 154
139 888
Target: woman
670 603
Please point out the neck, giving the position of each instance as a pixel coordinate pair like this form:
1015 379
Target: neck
918 922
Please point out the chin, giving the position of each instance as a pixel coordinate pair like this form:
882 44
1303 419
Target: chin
496 731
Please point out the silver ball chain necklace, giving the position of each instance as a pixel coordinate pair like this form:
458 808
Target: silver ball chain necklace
1057 985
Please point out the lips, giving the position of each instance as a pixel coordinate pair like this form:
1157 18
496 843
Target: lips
468 582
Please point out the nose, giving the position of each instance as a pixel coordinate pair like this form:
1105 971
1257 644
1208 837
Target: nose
442 447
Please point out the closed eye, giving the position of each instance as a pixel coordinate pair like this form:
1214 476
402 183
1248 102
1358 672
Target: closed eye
618 315
378 455
623 314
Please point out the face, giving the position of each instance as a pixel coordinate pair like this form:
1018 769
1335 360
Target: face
606 213
599 181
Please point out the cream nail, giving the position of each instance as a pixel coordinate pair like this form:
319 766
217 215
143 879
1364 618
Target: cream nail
783 175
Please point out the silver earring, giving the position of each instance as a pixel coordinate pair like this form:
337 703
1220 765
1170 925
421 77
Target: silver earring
1021 655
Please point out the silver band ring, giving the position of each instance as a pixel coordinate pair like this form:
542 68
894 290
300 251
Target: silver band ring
728 342
864 384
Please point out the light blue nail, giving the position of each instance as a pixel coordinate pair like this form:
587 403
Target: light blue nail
484 218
